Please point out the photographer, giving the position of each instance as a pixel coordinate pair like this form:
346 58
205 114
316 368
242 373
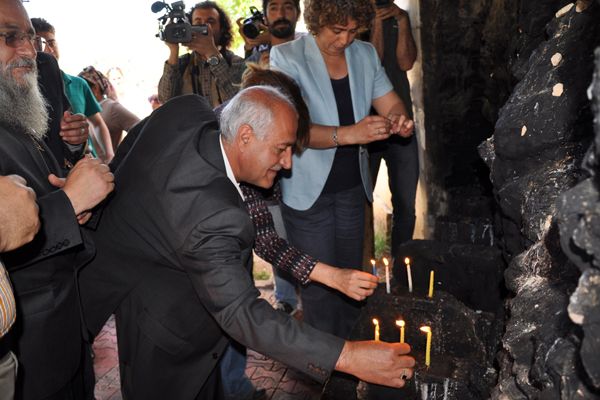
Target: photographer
392 37
281 17
211 70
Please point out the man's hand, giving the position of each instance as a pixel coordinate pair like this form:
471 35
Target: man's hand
203 44
377 362
88 183
263 38
19 220
173 53
74 128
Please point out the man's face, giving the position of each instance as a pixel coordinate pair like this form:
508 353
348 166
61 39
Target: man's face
21 103
48 44
265 157
282 16
210 17
17 58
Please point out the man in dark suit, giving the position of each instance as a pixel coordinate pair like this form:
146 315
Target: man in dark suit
46 337
173 244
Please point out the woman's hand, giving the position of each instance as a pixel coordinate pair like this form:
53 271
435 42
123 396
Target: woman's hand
357 285
367 130
401 125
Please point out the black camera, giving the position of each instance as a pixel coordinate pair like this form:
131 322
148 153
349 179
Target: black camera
382 3
251 25
174 26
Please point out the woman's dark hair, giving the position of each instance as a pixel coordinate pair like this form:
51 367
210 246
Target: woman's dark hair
320 13
255 75
226 35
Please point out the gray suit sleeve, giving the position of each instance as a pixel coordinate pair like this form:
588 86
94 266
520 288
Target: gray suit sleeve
212 257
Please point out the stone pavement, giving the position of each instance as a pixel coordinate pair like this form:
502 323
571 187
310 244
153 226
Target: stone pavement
280 382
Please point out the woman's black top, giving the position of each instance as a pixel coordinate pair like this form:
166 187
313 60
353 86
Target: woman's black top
345 171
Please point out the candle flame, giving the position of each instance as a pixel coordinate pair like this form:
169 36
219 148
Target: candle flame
400 323
375 321
372 262
425 329
385 261
407 261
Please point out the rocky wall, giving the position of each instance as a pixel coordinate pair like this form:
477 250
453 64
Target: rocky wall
466 54
546 199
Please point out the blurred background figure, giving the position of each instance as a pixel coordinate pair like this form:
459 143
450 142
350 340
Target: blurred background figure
117 78
117 117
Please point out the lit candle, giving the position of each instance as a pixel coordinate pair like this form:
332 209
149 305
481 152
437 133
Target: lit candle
430 294
376 323
408 274
401 324
427 330
387 275
374 267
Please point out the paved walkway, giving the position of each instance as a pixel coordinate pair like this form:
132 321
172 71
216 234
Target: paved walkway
280 382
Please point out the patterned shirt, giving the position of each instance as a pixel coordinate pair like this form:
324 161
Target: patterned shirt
218 83
8 309
268 245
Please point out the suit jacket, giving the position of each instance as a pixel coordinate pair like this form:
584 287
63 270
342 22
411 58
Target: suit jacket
172 244
302 60
47 332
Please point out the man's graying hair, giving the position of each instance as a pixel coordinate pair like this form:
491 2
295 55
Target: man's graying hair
248 107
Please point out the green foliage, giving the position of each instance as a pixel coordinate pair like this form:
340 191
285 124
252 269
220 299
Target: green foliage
261 275
382 247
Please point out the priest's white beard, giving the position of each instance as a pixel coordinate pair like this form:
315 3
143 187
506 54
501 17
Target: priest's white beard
21 103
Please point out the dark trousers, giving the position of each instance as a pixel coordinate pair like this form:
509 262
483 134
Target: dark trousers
402 159
332 230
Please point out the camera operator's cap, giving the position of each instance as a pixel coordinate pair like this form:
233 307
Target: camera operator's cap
95 77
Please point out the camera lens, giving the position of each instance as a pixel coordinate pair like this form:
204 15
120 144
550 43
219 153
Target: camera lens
250 29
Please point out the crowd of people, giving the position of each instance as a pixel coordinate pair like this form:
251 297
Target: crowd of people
267 153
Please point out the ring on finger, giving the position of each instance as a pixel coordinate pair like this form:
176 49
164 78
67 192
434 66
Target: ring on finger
82 130
404 375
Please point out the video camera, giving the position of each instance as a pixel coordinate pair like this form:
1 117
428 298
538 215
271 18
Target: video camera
174 26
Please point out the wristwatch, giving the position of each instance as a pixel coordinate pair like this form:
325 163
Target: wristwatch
213 60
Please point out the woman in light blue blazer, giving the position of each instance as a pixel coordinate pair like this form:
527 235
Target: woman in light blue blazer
341 79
